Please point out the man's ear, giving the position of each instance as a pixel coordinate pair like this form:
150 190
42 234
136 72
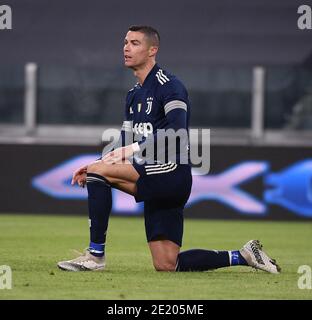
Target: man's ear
153 51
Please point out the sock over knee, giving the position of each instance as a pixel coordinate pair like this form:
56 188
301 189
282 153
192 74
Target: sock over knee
100 205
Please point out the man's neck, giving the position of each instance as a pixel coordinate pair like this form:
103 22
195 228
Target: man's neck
141 73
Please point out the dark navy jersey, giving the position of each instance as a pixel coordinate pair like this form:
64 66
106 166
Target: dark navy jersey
160 103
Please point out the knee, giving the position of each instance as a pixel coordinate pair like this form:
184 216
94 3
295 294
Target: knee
164 266
98 168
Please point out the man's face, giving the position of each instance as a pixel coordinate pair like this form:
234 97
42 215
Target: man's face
137 50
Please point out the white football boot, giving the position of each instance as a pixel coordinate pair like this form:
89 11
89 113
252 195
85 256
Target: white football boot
257 258
85 262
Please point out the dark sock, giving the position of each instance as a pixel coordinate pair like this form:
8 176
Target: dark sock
100 205
202 260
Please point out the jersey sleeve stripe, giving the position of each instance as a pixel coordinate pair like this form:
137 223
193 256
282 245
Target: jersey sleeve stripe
163 171
158 77
175 104
163 75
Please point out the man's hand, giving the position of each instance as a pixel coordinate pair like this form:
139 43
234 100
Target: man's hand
119 155
80 176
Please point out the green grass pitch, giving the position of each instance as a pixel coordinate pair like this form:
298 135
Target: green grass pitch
32 244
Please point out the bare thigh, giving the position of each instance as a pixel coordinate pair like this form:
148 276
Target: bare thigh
120 176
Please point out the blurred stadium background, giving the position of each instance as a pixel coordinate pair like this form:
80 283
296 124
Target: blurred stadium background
248 69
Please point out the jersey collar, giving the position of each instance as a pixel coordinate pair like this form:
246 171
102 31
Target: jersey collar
151 76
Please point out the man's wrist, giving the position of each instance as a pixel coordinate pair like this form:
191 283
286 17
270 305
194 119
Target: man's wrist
135 147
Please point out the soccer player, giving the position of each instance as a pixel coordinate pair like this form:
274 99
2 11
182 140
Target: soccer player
159 101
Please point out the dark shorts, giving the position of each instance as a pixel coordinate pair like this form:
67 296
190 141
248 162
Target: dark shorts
165 190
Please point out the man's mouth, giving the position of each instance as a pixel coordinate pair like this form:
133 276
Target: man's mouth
127 57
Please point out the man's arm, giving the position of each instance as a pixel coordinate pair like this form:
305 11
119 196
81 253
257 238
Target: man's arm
176 119
176 116
174 98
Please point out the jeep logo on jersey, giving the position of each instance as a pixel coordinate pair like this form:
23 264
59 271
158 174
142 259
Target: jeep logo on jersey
144 128
149 102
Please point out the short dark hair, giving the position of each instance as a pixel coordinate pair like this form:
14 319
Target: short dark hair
151 33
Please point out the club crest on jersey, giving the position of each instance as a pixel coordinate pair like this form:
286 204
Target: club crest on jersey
149 102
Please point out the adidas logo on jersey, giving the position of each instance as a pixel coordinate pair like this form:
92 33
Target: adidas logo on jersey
161 77
144 128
